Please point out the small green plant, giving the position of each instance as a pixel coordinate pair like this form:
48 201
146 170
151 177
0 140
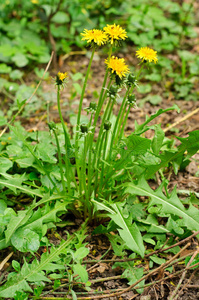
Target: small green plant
100 176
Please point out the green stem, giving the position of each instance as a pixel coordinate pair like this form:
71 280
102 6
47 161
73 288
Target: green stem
67 141
97 163
83 190
90 148
60 160
81 99
91 168
79 116
140 70
120 123
84 167
101 128
110 107
124 123
104 157
108 112
117 122
101 97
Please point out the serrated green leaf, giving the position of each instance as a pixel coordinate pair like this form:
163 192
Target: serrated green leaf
142 128
174 226
117 244
15 222
157 139
171 205
16 184
137 145
129 232
131 273
13 181
47 156
40 276
37 220
190 144
9 291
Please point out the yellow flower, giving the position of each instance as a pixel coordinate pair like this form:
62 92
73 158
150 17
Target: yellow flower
60 78
35 1
117 66
94 35
147 54
115 32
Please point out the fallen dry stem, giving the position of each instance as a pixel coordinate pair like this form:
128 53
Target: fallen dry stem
147 255
174 294
5 260
186 284
163 266
182 119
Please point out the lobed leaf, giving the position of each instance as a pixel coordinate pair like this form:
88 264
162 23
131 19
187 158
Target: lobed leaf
171 205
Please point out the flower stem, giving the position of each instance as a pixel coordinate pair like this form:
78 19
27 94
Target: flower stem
102 93
124 123
104 157
67 141
97 165
81 99
60 160
117 122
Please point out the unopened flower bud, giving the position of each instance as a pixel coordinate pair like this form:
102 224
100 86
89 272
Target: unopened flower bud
131 79
131 99
118 81
93 105
84 128
72 160
52 125
113 90
107 125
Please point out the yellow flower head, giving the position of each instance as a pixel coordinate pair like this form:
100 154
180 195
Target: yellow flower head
94 36
35 1
117 66
147 54
115 33
60 78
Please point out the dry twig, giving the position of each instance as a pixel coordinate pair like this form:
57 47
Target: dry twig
182 119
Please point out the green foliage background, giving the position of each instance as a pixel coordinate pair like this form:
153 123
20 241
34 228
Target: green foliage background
167 26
